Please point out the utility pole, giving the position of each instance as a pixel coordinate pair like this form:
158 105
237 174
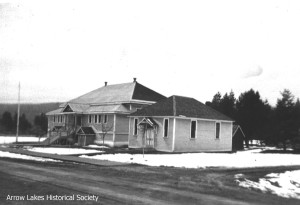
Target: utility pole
18 116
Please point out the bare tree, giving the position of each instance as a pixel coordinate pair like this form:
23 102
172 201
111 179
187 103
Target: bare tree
106 127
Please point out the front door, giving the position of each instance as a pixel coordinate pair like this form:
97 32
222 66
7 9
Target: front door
81 140
149 137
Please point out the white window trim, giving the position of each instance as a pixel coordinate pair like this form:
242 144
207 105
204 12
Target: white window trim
168 131
95 120
219 130
196 129
135 130
90 119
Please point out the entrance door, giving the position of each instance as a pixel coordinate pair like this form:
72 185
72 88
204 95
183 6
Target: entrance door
149 138
81 140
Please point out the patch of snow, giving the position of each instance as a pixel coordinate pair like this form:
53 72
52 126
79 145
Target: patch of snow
63 151
202 160
98 146
285 184
26 157
10 139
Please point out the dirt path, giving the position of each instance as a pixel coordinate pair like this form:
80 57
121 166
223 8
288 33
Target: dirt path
128 184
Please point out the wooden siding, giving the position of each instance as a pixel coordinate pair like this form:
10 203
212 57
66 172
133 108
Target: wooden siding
205 136
161 143
164 143
97 126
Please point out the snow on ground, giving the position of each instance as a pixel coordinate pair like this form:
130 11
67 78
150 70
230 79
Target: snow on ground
285 184
242 159
26 157
63 151
10 139
97 146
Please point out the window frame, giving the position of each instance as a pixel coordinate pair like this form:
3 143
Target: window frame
195 132
217 137
135 126
166 131
99 119
95 119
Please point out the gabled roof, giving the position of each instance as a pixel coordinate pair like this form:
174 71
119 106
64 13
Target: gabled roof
86 130
149 121
181 106
235 128
54 112
126 92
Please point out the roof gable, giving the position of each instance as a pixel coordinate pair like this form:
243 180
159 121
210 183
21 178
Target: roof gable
236 128
181 106
68 109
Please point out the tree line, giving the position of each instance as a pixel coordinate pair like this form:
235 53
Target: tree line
8 124
258 119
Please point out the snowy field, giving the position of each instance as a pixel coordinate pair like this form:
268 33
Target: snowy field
10 139
21 156
242 159
285 184
63 151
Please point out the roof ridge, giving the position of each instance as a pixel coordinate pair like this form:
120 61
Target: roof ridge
133 90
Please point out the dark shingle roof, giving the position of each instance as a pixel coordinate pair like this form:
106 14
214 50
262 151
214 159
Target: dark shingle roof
181 106
87 130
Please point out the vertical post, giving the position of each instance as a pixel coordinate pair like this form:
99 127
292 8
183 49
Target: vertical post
18 115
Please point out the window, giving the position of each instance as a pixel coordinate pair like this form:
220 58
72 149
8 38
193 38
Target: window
166 127
54 118
105 119
218 128
193 129
99 119
135 127
90 119
95 118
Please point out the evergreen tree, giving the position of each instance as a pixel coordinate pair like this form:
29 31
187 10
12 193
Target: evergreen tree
7 122
216 101
286 116
227 105
41 121
24 124
253 115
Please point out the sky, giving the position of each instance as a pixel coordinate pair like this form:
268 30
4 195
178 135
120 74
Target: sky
60 50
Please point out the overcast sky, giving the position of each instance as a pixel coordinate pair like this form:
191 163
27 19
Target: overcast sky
62 49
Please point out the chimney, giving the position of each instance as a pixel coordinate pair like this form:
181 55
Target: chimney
134 80
105 83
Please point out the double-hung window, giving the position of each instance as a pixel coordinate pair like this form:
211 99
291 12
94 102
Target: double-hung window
166 127
193 129
95 119
218 129
135 128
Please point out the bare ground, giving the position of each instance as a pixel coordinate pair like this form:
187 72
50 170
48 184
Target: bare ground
131 184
